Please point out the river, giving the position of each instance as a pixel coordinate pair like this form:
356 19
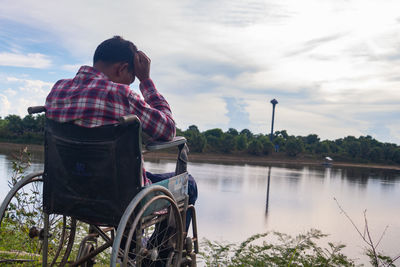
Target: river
232 203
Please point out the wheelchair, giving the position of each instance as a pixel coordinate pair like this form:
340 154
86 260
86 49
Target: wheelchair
90 202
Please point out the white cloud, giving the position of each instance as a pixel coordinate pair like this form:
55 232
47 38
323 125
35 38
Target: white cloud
24 93
10 92
204 110
4 105
30 60
73 67
24 104
37 88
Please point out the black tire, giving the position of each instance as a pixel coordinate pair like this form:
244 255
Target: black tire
22 223
151 237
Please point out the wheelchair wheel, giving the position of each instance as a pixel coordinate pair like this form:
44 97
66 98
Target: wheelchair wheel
22 226
150 231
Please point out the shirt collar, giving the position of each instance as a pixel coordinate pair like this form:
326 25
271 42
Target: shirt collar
88 70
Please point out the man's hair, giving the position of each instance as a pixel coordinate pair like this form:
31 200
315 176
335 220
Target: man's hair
115 50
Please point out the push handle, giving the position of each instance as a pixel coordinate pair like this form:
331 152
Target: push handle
36 109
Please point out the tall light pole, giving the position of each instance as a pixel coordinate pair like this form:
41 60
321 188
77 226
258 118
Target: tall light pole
273 102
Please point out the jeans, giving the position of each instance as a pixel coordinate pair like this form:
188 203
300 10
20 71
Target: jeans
192 190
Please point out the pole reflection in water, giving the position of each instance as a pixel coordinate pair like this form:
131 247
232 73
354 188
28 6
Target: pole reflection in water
268 183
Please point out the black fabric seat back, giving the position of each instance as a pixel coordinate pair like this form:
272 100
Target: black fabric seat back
91 173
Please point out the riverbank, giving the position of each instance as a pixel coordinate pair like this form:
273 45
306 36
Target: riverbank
274 159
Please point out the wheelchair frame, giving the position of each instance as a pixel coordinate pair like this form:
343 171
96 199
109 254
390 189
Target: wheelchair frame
151 206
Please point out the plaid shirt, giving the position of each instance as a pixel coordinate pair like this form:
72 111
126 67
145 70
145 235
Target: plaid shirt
91 100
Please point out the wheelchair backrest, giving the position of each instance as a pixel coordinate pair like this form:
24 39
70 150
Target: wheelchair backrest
92 173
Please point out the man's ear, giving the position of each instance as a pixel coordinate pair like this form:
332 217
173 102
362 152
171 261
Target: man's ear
121 68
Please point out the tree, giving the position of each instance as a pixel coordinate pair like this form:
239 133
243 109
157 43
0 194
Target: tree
3 126
365 146
333 147
40 122
228 143
214 139
294 146
322 147
214 132
312 139
248 133
353 148
29 123
193 128
14 125
388 151
197 142
241 142
376 154
255 147
280 142
179 132
282 133
232 132
268 147
396 156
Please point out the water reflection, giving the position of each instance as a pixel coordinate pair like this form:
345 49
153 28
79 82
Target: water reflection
268 185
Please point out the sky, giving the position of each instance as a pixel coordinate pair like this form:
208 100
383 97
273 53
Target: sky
333 65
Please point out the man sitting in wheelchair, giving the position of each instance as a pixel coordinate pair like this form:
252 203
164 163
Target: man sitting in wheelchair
100 95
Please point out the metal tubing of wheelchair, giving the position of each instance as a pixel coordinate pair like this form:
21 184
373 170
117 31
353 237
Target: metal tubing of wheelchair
194 229
60 243
181 163
93 253
70 243
128 211
45 239
183 213
101 233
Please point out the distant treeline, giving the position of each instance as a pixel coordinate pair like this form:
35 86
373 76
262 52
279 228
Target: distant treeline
29 130
364 149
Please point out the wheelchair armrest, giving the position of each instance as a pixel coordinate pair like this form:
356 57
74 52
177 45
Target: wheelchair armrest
36 109
178 140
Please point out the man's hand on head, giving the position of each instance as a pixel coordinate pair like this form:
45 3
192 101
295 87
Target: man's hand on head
142 66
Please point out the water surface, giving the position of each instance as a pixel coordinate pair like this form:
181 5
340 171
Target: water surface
232 203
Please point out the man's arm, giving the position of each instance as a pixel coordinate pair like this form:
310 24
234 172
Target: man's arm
154 112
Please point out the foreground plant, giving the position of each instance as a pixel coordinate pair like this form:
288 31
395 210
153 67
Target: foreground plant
275 249
376 257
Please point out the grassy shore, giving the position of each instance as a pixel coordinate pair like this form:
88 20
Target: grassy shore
274 159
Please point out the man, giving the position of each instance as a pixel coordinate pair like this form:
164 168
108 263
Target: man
99 95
